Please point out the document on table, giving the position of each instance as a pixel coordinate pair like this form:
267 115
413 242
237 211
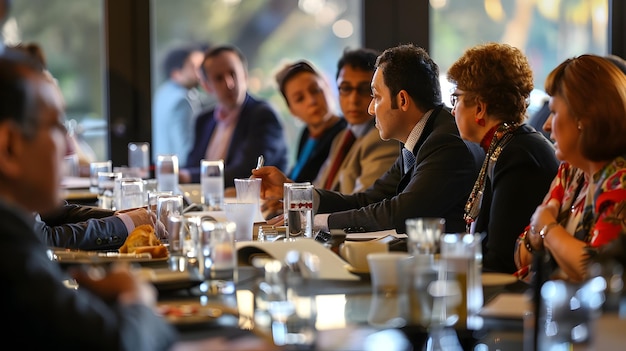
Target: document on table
331 266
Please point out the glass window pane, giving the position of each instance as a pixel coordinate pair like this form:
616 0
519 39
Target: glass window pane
548 32
70 34
269 33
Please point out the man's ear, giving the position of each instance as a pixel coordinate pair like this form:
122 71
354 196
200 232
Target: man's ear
11 146
403 101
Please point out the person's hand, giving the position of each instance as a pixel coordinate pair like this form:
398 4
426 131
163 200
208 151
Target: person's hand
230 192
118 284
141 216
271 208
272 180
544 215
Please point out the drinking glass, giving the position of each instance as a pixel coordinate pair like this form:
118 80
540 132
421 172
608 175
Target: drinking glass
300 214
286 187
424 234
219 256
212 184
94 168
168 205
106 189
131 193
139 158
249 190
166 170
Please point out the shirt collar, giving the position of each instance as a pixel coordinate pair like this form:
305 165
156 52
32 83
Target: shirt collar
416 133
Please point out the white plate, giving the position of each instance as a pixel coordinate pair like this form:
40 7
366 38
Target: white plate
68 256
495 279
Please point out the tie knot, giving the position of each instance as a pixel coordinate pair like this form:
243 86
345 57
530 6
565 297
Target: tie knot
409 160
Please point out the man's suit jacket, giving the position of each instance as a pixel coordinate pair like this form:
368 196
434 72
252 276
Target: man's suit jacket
45 314
368 158
258 132
437 186
81 227
516 185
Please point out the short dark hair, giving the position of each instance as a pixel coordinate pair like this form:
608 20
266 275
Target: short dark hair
363 59
176 58
290 71
408 67
17 99
216 50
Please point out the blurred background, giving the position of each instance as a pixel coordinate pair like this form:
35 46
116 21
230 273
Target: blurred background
106 54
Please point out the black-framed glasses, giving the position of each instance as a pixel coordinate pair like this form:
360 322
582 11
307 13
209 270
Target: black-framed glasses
361 89
454 98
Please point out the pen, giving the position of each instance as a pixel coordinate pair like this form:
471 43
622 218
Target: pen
260 161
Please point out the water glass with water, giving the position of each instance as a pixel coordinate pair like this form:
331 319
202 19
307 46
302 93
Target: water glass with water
212 184
300 213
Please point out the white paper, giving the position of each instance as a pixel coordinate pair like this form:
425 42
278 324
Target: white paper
374 235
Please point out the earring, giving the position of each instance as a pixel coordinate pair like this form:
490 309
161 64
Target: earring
580 126
480 121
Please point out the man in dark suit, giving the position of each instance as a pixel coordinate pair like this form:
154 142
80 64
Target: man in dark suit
239 128
436 171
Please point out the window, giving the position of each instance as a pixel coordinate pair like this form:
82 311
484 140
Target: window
70 34
548 32
268 32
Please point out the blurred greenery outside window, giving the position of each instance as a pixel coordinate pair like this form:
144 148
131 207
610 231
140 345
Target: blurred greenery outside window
270 33
273 32
547 31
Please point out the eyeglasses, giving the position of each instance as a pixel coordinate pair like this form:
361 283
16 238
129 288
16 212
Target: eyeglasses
362 89
454 98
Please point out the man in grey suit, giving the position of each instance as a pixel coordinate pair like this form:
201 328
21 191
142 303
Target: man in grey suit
436 171
358 155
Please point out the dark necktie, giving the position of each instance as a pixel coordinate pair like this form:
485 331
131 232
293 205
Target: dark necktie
346 143
409 160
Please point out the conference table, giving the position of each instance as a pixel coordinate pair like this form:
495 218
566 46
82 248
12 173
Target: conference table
343 319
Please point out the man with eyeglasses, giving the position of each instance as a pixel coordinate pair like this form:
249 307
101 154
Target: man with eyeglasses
358 155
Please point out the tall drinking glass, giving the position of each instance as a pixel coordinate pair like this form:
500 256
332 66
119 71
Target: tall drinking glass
212 184
166 170
286 187
300 214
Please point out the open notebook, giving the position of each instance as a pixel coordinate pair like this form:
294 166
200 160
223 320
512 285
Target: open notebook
331 266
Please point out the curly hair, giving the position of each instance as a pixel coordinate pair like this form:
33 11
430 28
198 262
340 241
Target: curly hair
498 75
594 91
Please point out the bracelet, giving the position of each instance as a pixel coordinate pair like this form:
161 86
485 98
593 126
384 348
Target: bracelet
526 242
546 229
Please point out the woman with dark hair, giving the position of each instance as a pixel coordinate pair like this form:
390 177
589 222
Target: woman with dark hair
493 82
308 97
584 208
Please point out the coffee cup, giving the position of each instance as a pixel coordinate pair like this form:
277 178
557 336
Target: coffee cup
355 253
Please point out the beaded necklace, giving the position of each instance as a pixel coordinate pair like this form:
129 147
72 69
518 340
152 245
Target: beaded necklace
501 137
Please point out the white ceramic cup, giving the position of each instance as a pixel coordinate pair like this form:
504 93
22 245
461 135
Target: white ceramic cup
355 253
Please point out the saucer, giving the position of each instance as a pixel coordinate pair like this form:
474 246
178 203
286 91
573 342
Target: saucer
358 272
